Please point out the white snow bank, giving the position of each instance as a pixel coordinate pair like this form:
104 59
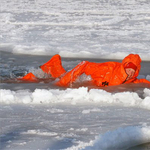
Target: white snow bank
70 52
101 54
75 96
122 138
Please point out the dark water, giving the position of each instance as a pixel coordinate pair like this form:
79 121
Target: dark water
141 147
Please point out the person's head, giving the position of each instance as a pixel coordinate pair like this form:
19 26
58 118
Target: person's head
132 61
130 70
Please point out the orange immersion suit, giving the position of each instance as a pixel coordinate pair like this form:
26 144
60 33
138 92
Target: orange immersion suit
102 74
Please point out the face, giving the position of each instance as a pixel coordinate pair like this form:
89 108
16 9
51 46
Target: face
130 72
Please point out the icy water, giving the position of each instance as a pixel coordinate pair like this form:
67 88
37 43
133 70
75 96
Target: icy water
14 66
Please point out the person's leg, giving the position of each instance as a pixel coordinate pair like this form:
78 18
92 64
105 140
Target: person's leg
53 67
72 75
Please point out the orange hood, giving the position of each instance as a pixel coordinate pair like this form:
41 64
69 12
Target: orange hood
135 59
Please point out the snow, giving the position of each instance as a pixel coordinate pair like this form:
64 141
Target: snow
74 96
47 117
95 29
122 138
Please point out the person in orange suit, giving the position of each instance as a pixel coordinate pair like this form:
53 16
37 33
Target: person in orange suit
102 74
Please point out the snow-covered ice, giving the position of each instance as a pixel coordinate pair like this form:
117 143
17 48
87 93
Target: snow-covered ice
43 116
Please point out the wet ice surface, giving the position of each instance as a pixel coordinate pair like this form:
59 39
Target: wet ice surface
64 126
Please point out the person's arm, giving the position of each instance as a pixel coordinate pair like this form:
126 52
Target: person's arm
72 75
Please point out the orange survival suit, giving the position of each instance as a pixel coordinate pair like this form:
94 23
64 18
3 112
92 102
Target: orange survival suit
102 74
